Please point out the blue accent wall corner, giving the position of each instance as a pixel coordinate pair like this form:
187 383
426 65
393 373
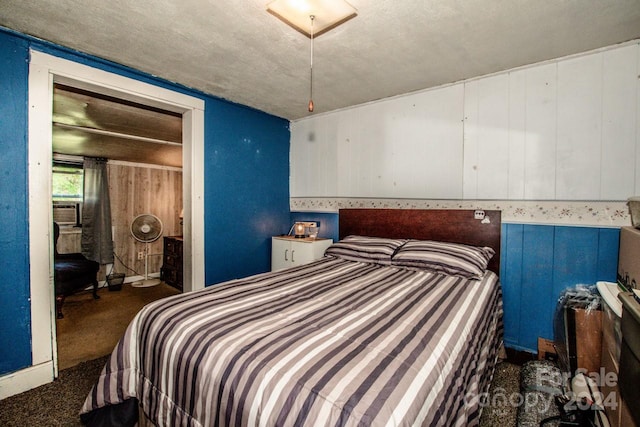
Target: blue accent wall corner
15 315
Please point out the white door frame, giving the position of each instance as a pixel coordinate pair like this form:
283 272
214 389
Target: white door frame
44 70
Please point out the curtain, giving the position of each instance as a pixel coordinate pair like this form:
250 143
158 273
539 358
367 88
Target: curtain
97 241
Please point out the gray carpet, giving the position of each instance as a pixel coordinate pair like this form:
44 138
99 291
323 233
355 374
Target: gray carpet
54 404
58 403
500 412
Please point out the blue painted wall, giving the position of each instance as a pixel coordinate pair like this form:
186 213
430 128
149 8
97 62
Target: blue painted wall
246 158
246 187
15 331
537 263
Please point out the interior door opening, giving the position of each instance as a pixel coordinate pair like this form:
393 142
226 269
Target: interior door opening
142 148
46 71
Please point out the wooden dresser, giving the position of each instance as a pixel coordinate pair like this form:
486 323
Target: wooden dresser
171 271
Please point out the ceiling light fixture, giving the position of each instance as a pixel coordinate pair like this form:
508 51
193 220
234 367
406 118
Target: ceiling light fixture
312 18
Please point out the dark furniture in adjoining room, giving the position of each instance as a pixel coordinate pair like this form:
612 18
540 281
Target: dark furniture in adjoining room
171 271
72 273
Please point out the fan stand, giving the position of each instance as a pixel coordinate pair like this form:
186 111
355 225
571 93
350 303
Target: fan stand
146 283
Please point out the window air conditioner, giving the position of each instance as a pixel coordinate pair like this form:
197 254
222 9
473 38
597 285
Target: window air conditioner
67 213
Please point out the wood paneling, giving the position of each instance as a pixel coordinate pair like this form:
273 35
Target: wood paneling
486 138
561 130
69 241
539 262
403 147
579 128
136 190
619 122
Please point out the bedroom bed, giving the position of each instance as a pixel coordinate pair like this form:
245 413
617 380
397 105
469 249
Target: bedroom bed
381 331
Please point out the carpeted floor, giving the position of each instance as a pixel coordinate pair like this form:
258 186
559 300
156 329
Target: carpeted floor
92 327
58 403
54 404
500 412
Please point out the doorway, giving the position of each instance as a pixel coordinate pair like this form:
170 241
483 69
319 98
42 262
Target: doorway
142 151
46 70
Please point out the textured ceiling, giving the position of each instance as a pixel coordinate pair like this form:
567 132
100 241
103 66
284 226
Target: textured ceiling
238 51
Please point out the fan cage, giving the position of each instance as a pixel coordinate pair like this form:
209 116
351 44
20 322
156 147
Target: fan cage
146 228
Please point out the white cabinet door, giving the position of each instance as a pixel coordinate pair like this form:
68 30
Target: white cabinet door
289 252
301 253
280 254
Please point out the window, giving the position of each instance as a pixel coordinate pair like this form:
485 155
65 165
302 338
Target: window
67 183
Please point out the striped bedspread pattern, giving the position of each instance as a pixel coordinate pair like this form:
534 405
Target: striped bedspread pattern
335 343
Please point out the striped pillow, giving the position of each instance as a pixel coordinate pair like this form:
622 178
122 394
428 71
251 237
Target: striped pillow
449 258
376 250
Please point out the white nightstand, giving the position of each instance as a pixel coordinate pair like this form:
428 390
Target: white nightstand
287 251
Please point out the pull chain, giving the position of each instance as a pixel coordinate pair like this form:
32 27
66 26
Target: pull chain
311 69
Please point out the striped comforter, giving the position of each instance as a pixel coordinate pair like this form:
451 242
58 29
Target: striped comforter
333 342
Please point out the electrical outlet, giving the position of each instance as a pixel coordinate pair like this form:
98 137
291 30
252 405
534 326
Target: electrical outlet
479 214
140 255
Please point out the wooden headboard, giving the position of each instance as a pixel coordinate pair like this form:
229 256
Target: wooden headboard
455 225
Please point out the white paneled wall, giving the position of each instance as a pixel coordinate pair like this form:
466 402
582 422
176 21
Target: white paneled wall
562 130
620 122
579 128
404 147
486 138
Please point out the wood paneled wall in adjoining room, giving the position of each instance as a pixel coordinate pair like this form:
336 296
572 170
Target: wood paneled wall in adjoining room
137 189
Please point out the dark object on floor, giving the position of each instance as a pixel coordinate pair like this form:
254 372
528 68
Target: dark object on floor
578 330
519 357
122 414
579 408
540 382
570 417
72 273
115 281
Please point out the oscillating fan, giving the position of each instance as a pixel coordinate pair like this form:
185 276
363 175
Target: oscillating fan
146 228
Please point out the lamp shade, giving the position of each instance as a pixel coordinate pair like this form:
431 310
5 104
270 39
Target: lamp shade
299 229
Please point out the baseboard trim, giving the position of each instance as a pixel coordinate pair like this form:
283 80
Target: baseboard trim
515 346
25 379
129 279
519 357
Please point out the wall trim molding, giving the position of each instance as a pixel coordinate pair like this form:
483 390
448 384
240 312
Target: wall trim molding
549 212
25 379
